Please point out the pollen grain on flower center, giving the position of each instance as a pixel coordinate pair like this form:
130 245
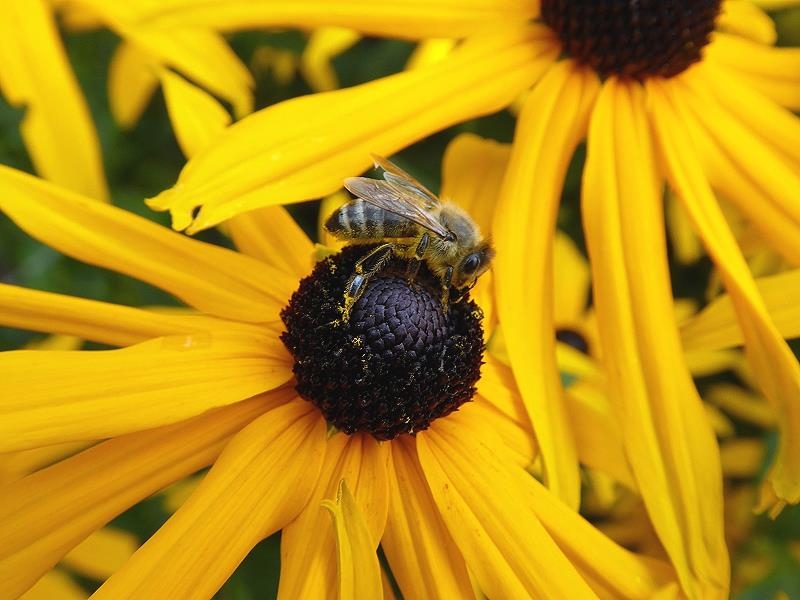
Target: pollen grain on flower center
633 38
398 364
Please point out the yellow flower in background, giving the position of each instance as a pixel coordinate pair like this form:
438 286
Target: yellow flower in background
215 387
692 95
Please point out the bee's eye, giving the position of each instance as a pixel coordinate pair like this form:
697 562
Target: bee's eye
471 263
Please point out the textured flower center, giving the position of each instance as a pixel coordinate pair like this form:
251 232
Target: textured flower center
398 363
633 38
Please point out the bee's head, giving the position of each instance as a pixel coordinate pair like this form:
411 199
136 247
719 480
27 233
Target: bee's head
473 265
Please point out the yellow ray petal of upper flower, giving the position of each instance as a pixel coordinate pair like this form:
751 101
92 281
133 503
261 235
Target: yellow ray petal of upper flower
263 478
430 51
744 18
742 457
57 127
748 145
323 45
571 287
472 174
409 19
550 126
47 513
359 569
197 52
271 235
55 585
54 397
304 147
771 71
196 116
514 506
774 4
363 463
600 444
132 79
423 557
774 365
502 540
213 279
102 553
15 465
670 445
92 320
716 326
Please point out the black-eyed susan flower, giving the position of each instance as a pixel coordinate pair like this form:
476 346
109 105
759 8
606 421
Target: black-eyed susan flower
693 94
215 386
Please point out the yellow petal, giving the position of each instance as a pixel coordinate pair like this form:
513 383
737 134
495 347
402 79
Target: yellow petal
775 72
272 236
57 127
748 148
324 44
552 123
686 246
101 322
197 118
716 326
359 570
304 147
774 4
514 532
599 435
571 285
742 458
742 404
308 540
213 279
132 79
430 51
54 397
773 363
102 553
49 512
472 174
669 443
745 19
422 555
260 482
397 18
511 556
200 54
55 585
15 465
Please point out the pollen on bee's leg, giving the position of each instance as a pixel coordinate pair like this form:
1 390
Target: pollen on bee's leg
398 363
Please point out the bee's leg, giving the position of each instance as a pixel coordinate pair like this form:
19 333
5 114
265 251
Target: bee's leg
364 269
465 291
446 281
419 252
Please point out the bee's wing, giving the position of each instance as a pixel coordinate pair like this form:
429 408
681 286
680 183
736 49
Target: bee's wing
398 200
394 174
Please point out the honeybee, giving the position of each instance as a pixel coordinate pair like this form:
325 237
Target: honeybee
409 222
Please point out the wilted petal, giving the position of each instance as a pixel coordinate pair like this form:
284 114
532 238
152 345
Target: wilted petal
670 446
47 513
260 482
304 147
775 367
359 569
214 279
362 462
54 397
35 74
552 123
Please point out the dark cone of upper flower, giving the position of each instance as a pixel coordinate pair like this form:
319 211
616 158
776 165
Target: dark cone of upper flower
397 364
633 38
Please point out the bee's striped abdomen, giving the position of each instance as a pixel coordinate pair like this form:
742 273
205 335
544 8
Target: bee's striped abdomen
361 220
